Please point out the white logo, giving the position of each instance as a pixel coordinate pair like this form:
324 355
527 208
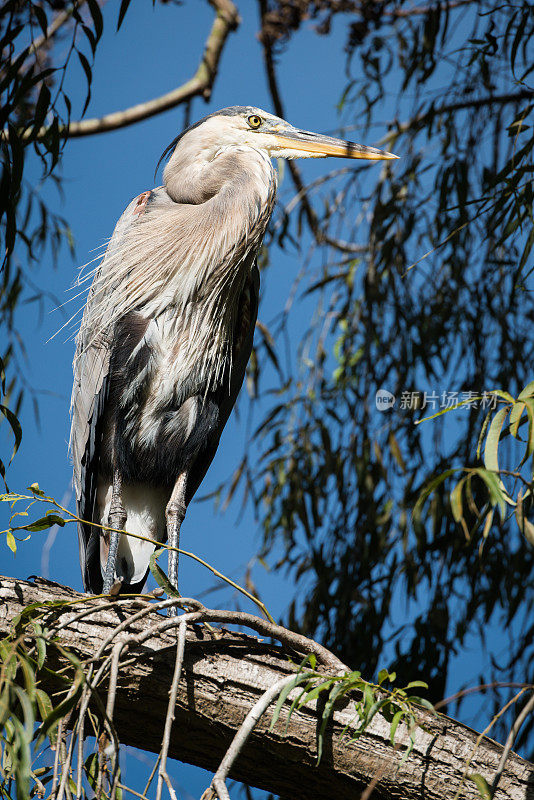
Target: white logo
384 399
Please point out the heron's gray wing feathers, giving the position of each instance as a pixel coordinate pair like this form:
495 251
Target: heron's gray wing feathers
91 368
227 395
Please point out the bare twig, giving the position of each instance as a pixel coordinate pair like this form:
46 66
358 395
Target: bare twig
64 787
399 13
521 717
53 790
131 791
296 641
112 692
113 676
151 776
482 687
398 128
79 765
61 758
481 736
163 776
218 783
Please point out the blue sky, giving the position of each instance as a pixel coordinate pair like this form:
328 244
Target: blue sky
156 50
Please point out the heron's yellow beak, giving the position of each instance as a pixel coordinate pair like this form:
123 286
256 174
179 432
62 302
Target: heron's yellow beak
315 145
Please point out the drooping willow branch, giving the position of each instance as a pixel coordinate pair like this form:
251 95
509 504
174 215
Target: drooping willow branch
200 85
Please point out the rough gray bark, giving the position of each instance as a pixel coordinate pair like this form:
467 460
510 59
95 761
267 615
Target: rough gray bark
222 678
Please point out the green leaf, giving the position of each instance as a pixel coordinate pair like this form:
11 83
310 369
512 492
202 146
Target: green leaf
327 713
11 543
429 489
528 391
41 108
421 701
525 526
29 676
159 576
44 704
456 500
307 695
470 401
43 523
515 418
298 679
491 459
487 524
382 675
396 451
96 15
122 12
314 693
529 405
503 395
483 432
482 785
394 725
49 725
91 770
40 643
15 427
27 711
23 760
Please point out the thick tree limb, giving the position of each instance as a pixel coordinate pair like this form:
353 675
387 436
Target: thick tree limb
224 677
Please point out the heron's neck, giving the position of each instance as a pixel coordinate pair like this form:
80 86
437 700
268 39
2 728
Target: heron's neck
183 255
196 180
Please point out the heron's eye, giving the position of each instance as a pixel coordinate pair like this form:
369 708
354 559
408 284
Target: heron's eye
254 121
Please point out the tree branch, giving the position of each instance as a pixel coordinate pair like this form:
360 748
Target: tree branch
201 84
222 678
449 108
399 13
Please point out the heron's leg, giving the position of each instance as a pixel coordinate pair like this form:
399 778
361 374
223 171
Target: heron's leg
175 513
116 519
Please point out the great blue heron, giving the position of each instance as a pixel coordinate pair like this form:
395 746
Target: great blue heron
167 333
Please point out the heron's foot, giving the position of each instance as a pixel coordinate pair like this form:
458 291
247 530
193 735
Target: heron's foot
115 588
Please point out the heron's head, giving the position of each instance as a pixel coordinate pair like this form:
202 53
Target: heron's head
246 126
